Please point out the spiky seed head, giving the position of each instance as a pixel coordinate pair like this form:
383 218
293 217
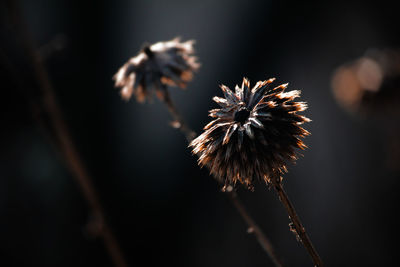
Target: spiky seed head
157 66
255 132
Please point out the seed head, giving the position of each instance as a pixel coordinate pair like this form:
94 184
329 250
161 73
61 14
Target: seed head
254 133
155 67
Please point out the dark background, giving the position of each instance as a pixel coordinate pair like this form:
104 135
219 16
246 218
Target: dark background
161 206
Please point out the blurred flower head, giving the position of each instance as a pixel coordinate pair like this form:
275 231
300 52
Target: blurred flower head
370 84
155 67
369 87
254 133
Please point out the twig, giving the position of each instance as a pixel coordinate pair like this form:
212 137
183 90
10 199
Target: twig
179 123
253 227
299 229
64 139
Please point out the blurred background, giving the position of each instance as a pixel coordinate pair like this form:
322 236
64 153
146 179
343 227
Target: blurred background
162 208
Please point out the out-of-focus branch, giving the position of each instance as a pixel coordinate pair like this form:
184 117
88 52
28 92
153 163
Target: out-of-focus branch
64 140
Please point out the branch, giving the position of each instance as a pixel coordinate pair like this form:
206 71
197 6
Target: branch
65 143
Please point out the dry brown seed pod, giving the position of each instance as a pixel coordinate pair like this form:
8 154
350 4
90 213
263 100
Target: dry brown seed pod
254 133
157 66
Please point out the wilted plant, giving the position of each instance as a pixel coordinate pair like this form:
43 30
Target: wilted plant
253 135
156 68
172 64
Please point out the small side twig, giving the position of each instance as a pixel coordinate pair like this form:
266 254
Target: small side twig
233 197
65 144
298 226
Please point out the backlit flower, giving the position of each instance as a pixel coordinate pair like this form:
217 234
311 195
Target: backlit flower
157 66
254 133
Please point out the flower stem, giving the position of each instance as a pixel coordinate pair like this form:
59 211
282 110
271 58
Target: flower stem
253 227
64 140
298 226
179 122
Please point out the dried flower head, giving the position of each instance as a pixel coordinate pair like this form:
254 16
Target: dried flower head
370 84
156 66
255 132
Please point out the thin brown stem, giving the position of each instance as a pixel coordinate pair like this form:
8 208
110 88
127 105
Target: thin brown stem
253 227
179 123
64 139
298 226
